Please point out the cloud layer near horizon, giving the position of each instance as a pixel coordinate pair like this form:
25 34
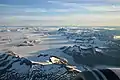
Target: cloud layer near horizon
60 12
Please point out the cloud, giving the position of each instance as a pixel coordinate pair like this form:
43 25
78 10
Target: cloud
20 10
62 12
73 19
89 1
109 8
113 1
106 6
51 10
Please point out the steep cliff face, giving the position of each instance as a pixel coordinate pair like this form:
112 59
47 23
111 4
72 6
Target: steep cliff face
13 67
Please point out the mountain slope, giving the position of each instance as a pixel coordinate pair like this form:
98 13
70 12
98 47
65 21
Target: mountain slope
14 67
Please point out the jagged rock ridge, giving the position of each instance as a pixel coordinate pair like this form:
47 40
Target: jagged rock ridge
14 67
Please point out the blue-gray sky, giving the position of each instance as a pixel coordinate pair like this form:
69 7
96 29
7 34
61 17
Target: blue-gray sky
60 12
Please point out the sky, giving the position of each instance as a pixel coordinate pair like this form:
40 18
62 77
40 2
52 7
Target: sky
60 12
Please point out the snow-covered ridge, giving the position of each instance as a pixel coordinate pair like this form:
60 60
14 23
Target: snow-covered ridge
82 50
87 37
14 67
93 56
